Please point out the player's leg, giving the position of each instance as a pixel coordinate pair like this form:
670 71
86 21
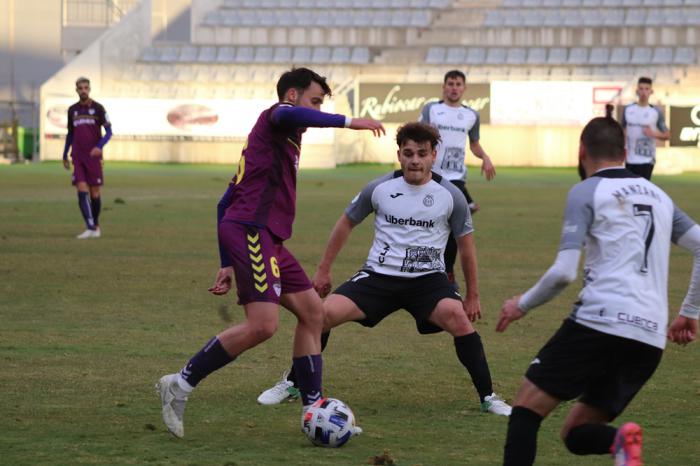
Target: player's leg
80 180
449 315
642 169
96 204
530 407
586 431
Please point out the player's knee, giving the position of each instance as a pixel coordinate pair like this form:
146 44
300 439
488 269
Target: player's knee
453 320
264 331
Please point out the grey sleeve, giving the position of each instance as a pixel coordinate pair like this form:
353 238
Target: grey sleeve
681 224
474 132
578 214
461 218
361 206
661 122
424 116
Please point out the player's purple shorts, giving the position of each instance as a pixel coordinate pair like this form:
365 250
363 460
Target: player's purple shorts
87 169
263 267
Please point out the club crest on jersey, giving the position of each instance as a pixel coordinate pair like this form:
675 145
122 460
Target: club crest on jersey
428 200
460 116
277 286
91 111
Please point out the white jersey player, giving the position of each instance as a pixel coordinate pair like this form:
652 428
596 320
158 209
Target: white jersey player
456 122
415 211
643 124
613 340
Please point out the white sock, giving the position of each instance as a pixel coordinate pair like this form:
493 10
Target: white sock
184 385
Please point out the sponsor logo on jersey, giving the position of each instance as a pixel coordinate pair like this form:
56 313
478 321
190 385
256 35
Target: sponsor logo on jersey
535 361
354 199
394 196
422 259
451 128
637 321
382 255
83 121
410 221
428 201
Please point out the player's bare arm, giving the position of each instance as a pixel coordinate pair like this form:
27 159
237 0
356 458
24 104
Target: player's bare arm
487 168
322 280
684 328
467 256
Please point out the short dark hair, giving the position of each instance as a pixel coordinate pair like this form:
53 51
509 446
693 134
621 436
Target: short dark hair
82 79
301 79
644 80
603 138
454 74
417 132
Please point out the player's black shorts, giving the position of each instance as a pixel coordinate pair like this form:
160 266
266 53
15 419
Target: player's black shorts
642 169
379 295
605 371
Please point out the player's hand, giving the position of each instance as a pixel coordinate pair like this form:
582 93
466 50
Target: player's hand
95 152
322 283
487 168
510 312
683 330
222 282
649 132
66 164
367 123
472 307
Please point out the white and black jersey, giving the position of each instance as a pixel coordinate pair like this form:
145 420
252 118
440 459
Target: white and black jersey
626 224
454 124
641 149
412 223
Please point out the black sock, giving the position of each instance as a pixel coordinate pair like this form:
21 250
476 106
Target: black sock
521 440
210 358
96 204
292 376
471 354
590 439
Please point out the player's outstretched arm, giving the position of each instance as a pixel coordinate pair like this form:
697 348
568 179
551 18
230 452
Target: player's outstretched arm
467 258
487 168
322 280
684 329
222 282
367 124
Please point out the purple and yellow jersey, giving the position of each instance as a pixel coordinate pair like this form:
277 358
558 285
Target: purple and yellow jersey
85 124
263 192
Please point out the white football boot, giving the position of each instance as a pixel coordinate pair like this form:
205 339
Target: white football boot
496 405
173 399
283 390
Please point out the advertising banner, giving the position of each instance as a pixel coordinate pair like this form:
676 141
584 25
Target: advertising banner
400 103
685 126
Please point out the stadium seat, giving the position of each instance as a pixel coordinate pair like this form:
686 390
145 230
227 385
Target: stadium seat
641 56
150 54
226 54
263 55
206 54
613 18
552 17
244 55
475 56
557 56
321 55
340 55
435 55
599 56
455 55
360 56
420 19
282 55
662 56
536 56
516 56
635 17
571 3
492 18
578 56
302 55
620 56
496 56
684 56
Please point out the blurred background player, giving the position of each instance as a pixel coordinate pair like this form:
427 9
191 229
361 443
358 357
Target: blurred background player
643 124
255 217
85 121
415 211
612 342
455 121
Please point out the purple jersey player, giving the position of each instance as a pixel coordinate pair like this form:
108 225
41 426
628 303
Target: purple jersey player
85 121
255 217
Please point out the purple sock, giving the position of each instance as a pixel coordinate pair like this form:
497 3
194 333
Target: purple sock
96 204
86 209
309 373
210 358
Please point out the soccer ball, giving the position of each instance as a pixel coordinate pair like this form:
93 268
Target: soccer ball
329 423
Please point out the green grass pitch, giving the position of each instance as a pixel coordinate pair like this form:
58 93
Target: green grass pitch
88 327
